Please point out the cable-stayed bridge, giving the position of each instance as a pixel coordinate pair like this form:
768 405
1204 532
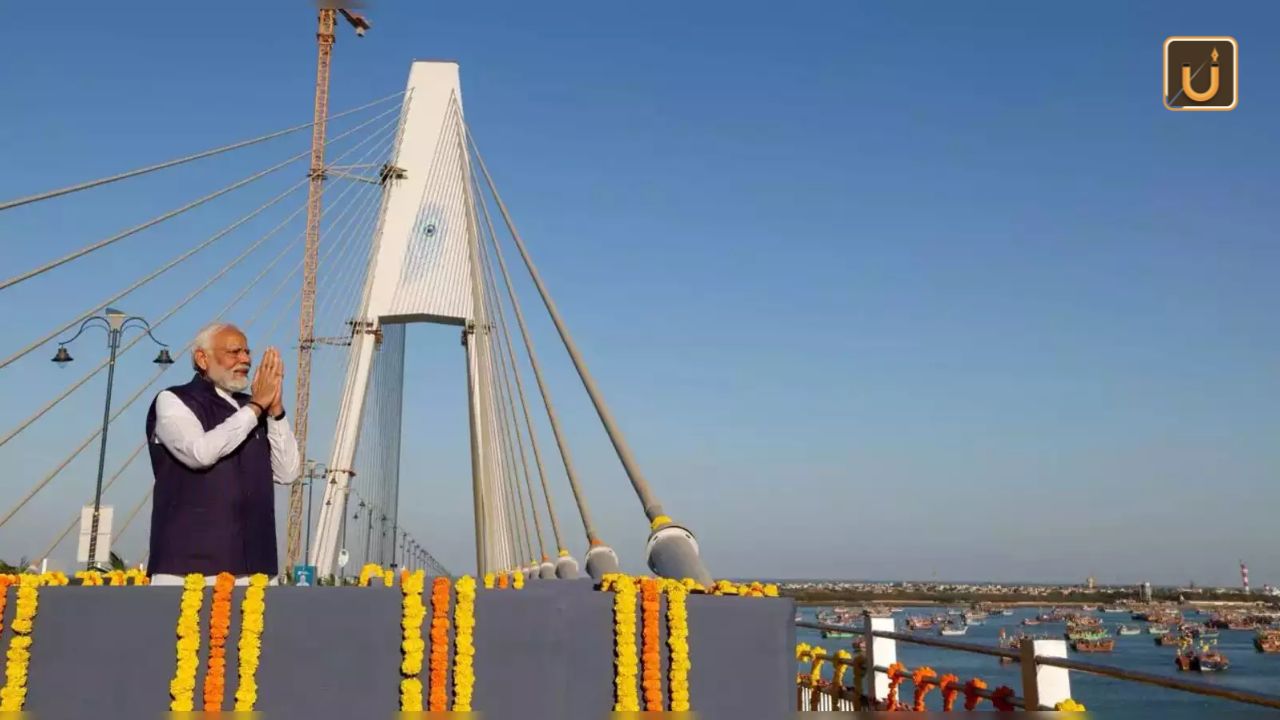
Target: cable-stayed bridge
392 217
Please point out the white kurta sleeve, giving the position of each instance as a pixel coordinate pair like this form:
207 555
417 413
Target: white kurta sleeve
179 430
284 451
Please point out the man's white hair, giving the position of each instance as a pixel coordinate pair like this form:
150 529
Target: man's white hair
204 340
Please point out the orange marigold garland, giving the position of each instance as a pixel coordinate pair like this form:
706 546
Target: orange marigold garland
950 686
651 675
502 581
971 690
5 582
922 688
437 699
897 672
215 676
1002 698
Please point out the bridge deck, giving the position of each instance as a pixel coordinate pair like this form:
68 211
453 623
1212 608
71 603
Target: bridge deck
542 652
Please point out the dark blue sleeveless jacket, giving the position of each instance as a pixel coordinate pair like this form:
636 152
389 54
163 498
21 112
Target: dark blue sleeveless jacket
221 518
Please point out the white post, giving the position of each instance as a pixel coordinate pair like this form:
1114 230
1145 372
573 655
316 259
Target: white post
1043 686
880 651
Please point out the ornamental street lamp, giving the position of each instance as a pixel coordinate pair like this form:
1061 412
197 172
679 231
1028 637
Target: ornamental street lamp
115 323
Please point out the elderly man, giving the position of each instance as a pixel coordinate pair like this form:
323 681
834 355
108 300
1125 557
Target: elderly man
218 443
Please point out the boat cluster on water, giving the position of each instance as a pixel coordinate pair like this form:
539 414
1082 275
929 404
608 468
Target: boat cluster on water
1191 631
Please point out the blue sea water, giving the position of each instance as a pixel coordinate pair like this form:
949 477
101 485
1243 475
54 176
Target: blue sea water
1250 670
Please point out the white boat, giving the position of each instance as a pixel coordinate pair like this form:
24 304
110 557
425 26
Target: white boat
1128 630
953 629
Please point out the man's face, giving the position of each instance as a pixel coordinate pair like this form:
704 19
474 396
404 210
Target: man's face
227 363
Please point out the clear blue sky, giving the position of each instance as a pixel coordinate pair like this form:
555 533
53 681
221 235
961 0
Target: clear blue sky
877 289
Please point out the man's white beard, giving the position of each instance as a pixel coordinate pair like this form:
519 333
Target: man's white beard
227 380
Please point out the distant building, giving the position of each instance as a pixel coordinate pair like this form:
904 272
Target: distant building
1092 583
1145 592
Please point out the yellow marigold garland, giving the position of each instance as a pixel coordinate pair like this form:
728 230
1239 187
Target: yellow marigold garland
488 581
651 671
678 645
215 675
517 580
1069 705
412 613
388 578
14 693
625 661
368 572
89 577
117 578
464 651
183 685
437 698
54 578
252 610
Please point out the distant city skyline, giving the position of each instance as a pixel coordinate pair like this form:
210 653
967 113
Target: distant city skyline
876 289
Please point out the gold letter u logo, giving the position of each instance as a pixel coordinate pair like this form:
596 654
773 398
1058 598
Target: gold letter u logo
1191 92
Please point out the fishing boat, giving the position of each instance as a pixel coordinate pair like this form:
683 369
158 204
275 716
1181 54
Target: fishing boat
1089 645
953 629
1030 621
919 622
829 634
1113 609
1158 630
1076 632
1005 612
1128 630
1267 641
1168 639
1206 659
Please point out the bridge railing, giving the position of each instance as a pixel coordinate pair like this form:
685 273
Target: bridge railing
1045 672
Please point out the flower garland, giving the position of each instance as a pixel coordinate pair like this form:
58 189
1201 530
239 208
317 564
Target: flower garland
252 610
922 688
388 578
1069 705
367 572
517 580
841 667
897 673
625 662
215 675
651 675
488 581
502 581
412 612
971 690
54 578
183 685
137 576
859 672
1002 698
5 582
819 657
117 578
950 686
89 577
464 652
437 699
678 646
14 693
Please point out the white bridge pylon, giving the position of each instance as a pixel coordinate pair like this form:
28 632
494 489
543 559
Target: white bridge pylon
425 268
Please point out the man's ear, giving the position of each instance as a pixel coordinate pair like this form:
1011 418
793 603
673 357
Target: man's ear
201 358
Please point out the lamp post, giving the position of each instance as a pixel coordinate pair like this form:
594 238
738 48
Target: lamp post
115 323
315 471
